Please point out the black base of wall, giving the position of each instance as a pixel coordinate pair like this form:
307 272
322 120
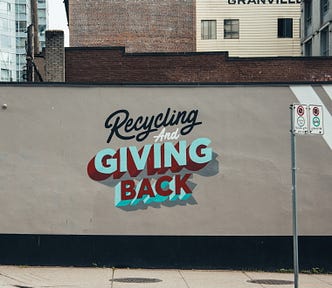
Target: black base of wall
185 252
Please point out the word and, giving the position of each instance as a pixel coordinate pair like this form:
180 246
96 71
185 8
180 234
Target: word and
123 126
163 135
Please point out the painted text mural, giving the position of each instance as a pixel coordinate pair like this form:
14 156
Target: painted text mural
155 172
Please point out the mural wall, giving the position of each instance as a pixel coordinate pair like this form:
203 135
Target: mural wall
161 161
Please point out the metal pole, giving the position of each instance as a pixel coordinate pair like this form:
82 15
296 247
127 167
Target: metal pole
34 20
30 54
294 200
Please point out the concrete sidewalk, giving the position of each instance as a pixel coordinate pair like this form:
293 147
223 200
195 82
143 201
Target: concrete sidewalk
64 277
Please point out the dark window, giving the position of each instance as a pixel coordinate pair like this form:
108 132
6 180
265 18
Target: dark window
231 29
324 6
307 12
21 26
285 28
308 48
307 16
324 42
41 29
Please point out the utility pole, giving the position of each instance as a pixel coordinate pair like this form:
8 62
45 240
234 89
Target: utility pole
34 22
32 42
30 54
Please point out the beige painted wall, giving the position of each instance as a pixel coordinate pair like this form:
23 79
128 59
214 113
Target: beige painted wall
49 134
258 28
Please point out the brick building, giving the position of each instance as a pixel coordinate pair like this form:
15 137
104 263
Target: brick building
113 65
116 65
145 25
256 29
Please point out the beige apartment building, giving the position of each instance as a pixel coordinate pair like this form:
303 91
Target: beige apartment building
249 28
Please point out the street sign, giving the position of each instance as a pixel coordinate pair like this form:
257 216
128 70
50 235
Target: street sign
300 119
316 119
302 116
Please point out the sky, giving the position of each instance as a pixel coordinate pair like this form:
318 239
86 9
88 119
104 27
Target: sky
58 18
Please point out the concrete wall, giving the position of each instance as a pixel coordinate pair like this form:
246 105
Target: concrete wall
236 183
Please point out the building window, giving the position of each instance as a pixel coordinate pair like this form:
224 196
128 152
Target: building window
41 29
231 28
209 29
21 26
3 7
324 42
324 7
4 24
5 41
5 75
307 12
21 9
5 59
308 48
21 75
285 28
20 42
20 60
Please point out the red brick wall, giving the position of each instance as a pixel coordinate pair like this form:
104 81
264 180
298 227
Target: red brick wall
112 65
140 26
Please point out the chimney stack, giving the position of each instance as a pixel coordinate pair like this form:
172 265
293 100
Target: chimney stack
54 56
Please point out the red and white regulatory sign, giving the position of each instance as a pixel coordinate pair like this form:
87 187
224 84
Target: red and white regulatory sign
307 119
316 119
300 119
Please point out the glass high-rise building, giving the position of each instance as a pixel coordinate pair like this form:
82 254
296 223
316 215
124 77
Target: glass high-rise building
42 21
15 17
22 21
7 41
